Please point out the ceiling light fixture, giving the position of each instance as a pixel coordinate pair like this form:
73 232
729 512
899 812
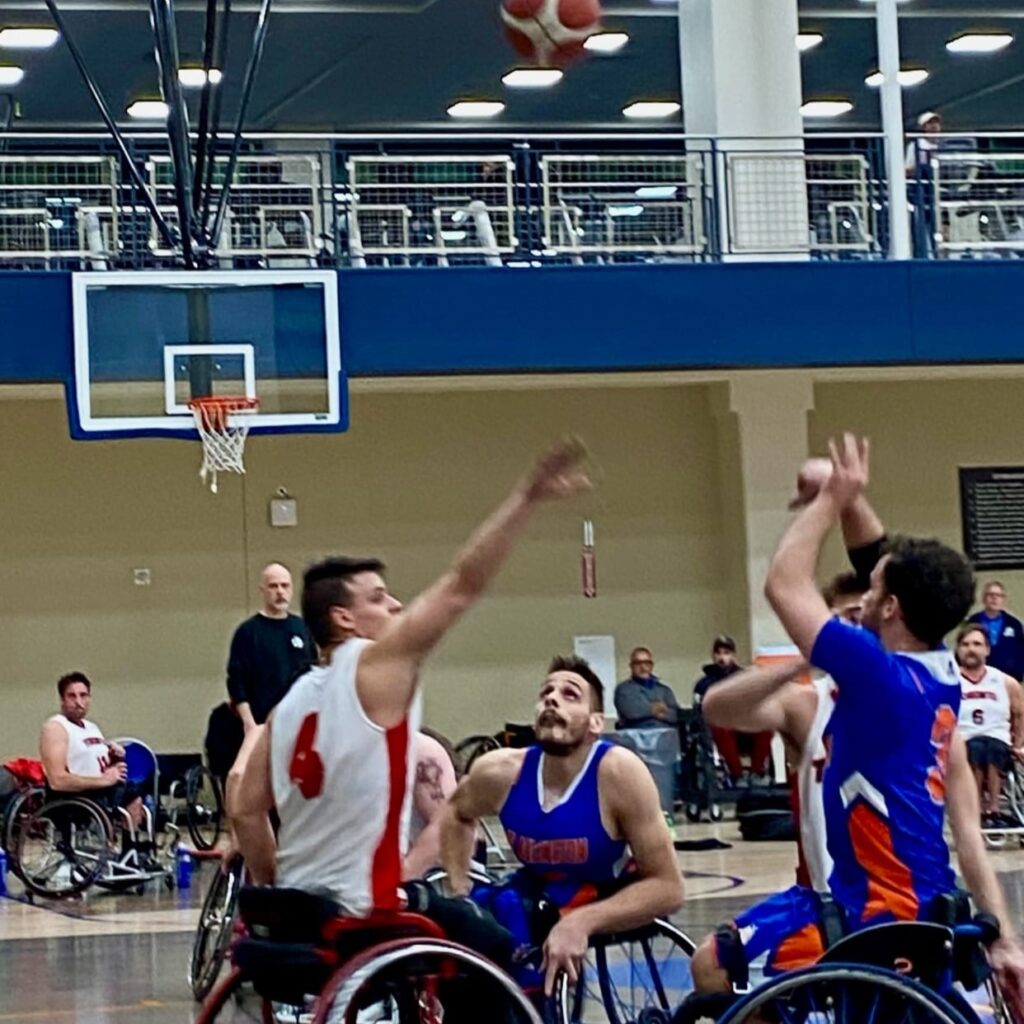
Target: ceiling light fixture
532 78
606 42
28 38
908 78
980 42
11 75
826 108
475 108
148 110
808 41
626 210
651 108
656 192
195 78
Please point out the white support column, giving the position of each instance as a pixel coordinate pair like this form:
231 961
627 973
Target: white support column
887 17
742 84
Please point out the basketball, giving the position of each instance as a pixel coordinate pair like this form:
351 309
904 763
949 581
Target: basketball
550 33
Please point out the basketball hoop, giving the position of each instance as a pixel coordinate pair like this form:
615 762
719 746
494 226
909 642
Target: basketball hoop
223 428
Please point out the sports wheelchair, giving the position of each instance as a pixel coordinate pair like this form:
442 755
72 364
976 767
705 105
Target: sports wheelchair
1011 810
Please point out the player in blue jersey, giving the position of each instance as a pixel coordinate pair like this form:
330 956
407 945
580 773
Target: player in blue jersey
893 751
574 808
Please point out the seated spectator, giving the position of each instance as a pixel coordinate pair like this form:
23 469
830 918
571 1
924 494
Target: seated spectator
991 720
722 665
643 701
76 757
1005 631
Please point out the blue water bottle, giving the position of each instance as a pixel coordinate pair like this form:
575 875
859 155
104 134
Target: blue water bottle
3 872
183 861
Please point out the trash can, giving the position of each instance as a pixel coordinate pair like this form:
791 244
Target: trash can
658 748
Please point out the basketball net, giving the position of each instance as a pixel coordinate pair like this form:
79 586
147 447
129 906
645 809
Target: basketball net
223 428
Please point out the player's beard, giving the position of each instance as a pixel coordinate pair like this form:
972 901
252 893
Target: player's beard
561 747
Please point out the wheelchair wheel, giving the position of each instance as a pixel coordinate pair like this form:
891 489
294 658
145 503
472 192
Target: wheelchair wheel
422 981
20 809
215 928
469 749
63 848
234 1002
204 807
635 977
842 994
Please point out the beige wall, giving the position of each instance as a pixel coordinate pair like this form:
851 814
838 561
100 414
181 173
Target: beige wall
409 481
921 433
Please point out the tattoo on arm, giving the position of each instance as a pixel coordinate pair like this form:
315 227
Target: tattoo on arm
428 777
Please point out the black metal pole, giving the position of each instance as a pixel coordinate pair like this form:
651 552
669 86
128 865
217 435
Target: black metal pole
166 51
258 39
209 34
220 60
90 83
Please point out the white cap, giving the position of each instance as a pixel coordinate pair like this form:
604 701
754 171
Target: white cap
928 115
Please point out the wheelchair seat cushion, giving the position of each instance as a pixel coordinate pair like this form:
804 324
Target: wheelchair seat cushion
286 915
284 972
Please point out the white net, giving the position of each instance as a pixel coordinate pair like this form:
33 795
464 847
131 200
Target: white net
223 426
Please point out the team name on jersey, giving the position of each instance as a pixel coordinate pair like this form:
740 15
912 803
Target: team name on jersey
94 741
980 695
549 851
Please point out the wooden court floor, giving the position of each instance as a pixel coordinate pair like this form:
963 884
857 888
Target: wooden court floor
123 958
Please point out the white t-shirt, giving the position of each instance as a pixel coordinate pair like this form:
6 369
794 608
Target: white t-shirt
88 753
342 787
985 707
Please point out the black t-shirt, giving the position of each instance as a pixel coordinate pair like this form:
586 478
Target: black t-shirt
267 656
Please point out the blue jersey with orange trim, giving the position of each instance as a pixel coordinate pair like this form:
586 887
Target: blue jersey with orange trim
885 782
567 847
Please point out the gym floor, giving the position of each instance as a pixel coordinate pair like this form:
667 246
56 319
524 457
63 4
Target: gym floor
112 958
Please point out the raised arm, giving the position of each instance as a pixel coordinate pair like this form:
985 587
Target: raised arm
388 669
763 700
434 785
53 752
962 807
658 889
480 793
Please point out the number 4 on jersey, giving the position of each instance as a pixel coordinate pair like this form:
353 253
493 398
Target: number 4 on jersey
306 769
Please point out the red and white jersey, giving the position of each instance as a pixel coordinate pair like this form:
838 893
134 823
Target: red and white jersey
88 753
985 707
342 787
814 865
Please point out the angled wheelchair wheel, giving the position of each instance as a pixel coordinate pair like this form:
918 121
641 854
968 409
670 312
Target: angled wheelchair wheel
234 1002
472 747
215 928
842 994
63 848
20 809
422 981
204 807
634 977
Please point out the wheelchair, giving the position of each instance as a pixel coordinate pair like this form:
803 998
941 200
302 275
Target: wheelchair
218 924
300 961
1011 809
204 807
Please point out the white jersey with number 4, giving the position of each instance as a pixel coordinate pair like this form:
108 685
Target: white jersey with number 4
88 753
815 864
985 707
342 787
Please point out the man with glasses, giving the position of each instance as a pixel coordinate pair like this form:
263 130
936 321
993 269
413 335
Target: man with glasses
1005 631
643 701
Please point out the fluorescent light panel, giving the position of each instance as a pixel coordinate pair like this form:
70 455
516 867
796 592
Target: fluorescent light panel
11 75
195 78
979 42
532 78
826 108
148 110
651 108
808 41
656 192
908 78
606 42
475 108
28 38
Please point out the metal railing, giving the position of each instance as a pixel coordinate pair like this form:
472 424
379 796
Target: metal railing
300 200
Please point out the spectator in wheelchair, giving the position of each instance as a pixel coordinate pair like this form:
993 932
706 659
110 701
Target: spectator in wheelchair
334 759
722 666
894 754
991 721
77 759
643 701
574 808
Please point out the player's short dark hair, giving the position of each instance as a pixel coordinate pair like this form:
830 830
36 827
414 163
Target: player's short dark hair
581 667
934 584
72 677
973 627
845 584
325 586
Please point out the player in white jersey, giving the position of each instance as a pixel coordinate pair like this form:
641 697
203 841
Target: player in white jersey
991 719
76 758
335 757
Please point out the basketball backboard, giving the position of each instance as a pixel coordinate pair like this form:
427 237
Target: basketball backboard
147 342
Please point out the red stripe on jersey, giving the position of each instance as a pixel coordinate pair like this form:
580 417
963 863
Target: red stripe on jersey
387 858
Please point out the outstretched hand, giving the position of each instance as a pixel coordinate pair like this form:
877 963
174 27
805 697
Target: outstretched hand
849 478
558 473
1007 961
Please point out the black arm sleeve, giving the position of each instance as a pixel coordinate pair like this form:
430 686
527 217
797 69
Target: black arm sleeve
238 667
864 559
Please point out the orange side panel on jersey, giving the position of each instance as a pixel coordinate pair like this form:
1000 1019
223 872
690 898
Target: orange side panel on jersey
890 884
800 949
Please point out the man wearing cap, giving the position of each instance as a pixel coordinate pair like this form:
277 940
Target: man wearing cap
643 701
722 665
